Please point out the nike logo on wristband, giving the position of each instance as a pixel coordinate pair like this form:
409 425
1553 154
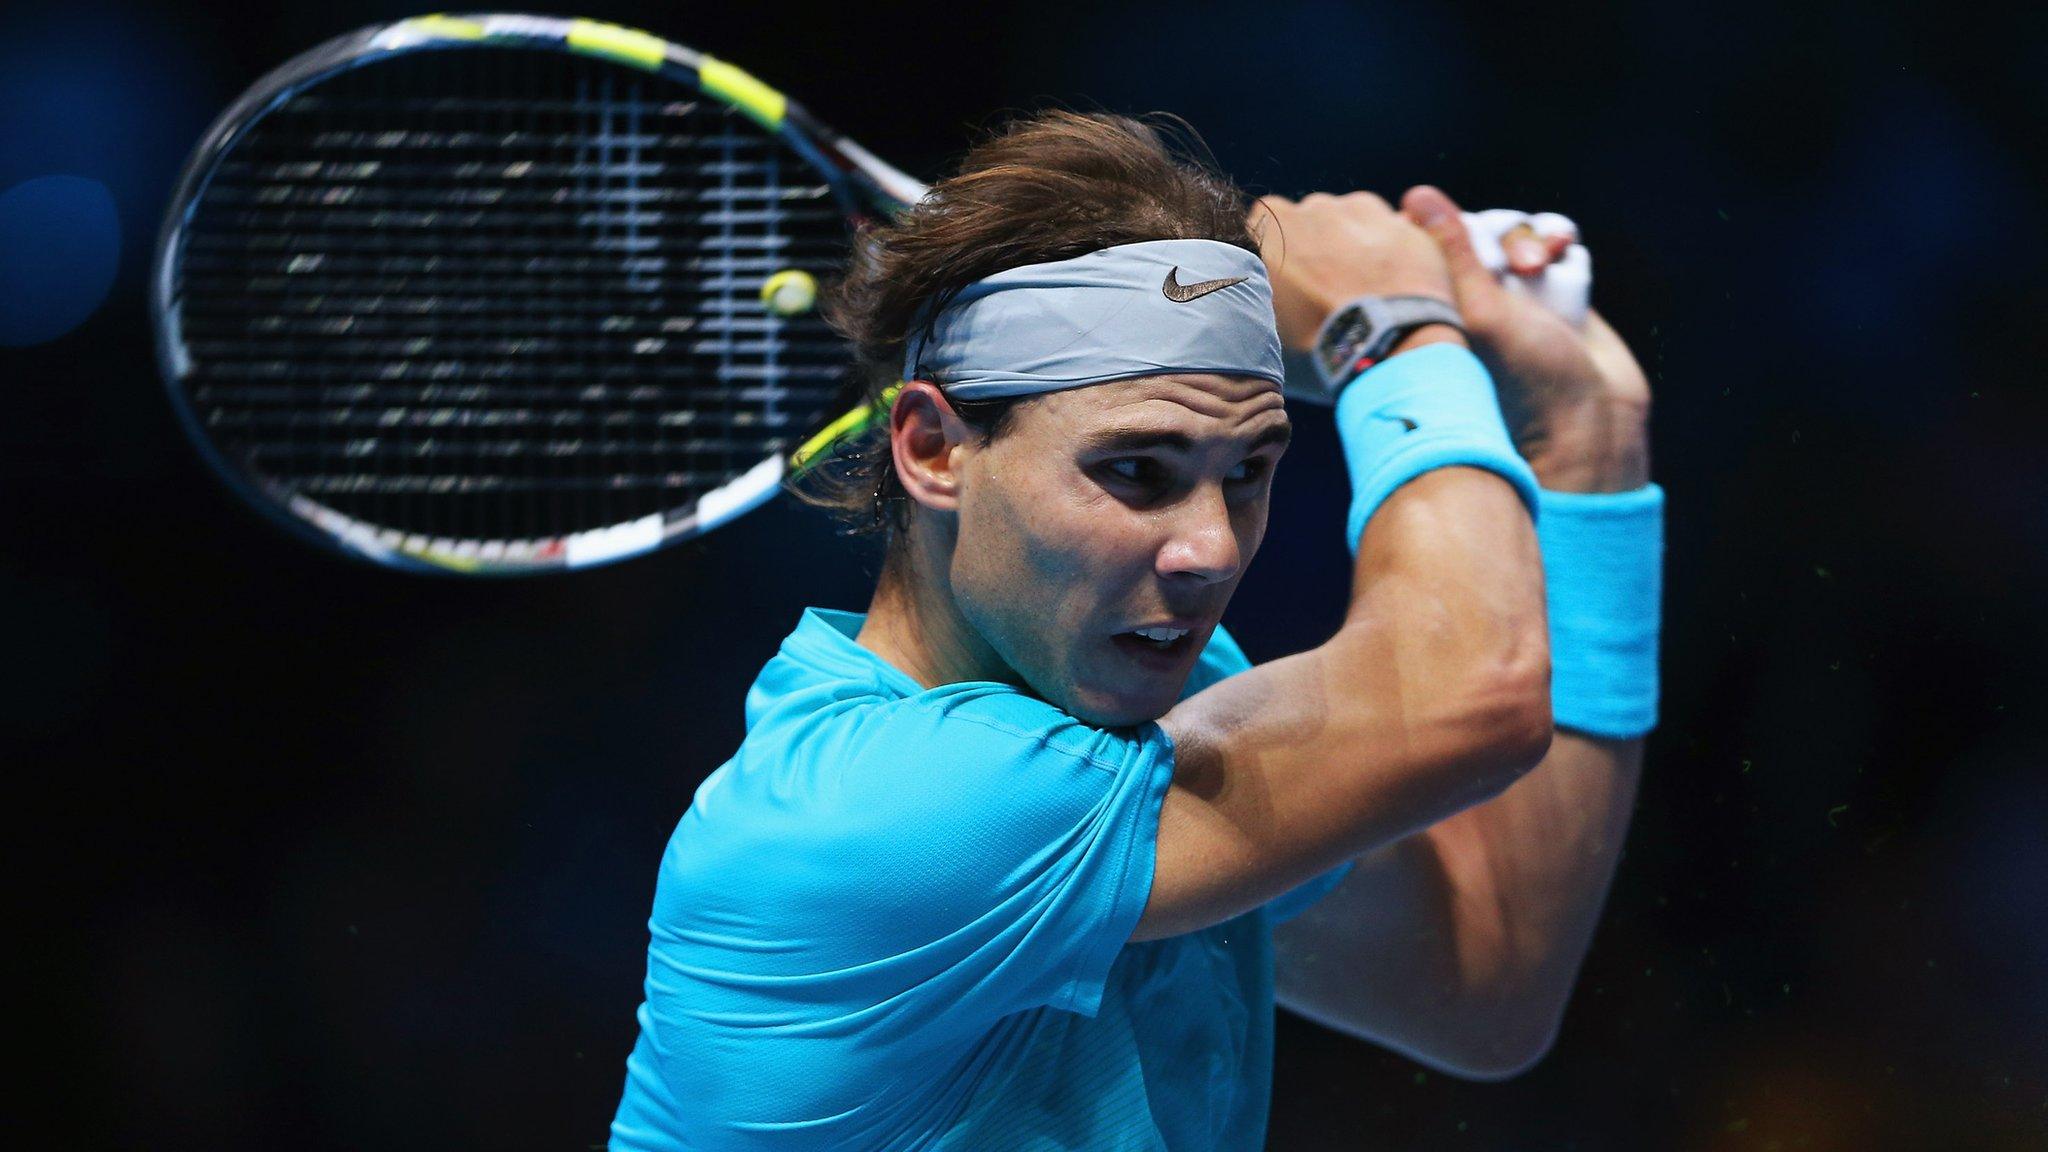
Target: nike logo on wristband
1408 423
1181 293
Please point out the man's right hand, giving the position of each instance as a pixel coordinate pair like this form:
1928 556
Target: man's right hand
1325 251
1553 382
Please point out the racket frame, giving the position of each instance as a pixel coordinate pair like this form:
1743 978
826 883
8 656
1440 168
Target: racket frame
863 184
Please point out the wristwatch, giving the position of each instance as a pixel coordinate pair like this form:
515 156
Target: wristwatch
1360 334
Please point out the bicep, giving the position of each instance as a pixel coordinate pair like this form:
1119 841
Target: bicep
1286 771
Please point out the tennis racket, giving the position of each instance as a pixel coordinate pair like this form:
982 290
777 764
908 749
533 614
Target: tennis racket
500 294
484 294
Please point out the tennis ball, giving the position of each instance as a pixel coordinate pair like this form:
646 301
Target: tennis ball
789 292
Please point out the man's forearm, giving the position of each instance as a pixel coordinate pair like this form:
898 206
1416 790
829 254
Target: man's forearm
1541 856
1481 921
1535 863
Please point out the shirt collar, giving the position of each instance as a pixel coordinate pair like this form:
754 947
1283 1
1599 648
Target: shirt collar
824 639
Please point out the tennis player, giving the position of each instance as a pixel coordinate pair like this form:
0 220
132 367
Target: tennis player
1022 857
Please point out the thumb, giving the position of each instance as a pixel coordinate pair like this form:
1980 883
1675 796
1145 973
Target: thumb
1439 215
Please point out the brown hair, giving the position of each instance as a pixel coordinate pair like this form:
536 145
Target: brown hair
1050 186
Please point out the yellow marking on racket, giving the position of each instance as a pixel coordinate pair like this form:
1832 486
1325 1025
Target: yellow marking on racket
442 559
625 45
854 422
758 100
446 27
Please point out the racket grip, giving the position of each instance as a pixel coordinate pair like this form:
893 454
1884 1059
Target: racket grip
1565 287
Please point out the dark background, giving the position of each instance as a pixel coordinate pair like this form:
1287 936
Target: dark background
323 856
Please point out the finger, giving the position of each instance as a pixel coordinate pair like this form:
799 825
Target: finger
1266 209
1487 228
1264 220
1368 200
1565 287
1527 253
1438 215
1556 232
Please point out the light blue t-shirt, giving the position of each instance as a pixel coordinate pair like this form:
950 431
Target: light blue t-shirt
898 919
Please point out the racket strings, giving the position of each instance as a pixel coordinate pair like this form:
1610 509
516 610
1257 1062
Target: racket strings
504 296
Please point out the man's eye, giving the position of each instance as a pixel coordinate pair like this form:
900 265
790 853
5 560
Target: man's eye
1252 469
1136 469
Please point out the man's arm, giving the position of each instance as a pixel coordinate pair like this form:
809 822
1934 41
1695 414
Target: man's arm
1430 698
1459 945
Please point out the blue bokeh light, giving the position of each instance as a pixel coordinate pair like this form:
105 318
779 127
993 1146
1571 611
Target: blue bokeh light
113 92
60 245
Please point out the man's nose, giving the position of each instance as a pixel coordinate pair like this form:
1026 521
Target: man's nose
1202 544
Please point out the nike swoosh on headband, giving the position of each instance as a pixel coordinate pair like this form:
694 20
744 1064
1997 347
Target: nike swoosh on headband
1181 293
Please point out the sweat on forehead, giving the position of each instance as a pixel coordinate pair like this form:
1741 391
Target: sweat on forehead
1148 309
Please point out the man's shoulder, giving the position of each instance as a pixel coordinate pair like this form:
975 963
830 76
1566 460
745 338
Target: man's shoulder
960 729
1002 715
946 794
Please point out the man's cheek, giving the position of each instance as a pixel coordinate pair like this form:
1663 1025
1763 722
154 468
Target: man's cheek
1052 549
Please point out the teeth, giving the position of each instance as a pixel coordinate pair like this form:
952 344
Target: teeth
1163 635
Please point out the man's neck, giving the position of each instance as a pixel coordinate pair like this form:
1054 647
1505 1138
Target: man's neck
915 624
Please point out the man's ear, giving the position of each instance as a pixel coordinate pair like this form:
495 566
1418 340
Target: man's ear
926 436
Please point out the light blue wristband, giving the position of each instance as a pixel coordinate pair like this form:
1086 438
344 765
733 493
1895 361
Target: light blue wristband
1603 567
1430 408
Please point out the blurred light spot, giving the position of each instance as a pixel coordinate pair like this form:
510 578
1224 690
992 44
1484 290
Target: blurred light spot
115 91
60 243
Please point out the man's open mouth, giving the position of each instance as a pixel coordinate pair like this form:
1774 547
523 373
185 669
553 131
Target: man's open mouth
1160 636
1155 641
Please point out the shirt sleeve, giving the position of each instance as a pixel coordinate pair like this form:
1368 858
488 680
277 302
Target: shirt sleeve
964 856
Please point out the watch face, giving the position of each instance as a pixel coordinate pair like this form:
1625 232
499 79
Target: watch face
1367 330
1342 342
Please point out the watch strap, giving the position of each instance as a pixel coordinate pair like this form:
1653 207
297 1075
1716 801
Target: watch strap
1365 331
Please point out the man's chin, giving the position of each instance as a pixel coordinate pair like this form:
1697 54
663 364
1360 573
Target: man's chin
1122 709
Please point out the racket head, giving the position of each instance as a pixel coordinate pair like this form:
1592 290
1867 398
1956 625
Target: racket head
480 294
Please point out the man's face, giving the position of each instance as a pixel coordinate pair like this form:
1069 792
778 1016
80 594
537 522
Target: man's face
1110 511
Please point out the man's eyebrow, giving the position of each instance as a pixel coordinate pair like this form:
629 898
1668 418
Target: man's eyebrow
1138 439
1278 434
1129 439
